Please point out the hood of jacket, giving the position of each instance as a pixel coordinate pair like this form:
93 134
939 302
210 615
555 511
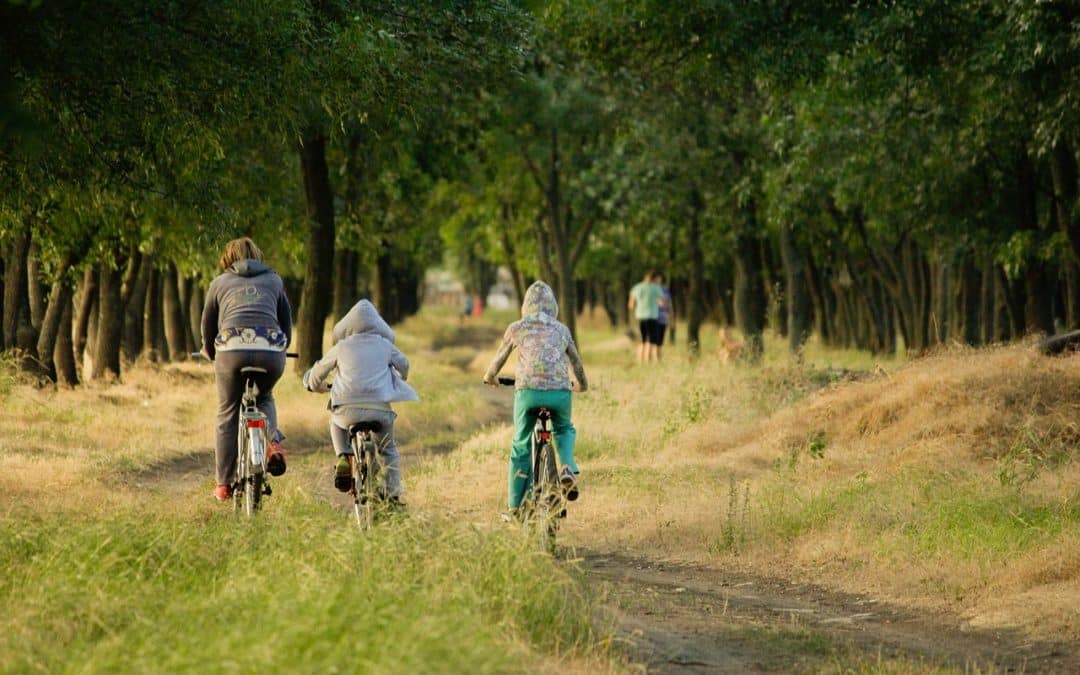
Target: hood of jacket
249 268
362 318
539 299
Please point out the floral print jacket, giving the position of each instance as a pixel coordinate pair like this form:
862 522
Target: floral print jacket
546 349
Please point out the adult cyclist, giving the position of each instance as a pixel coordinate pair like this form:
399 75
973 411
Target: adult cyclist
246 322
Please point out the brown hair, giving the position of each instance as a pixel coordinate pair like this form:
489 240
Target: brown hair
240 249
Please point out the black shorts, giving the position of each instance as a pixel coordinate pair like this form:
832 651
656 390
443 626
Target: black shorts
661 330
651 332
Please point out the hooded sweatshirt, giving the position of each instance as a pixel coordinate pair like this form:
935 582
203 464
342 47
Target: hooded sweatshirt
547 350
248 295
370 369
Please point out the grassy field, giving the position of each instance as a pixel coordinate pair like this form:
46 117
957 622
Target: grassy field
949 483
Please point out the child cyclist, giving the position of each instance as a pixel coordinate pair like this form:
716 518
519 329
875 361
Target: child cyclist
546 353
369 374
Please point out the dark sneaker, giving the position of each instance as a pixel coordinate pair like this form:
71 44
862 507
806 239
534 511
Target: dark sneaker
275 460
223 493
343 474
569 484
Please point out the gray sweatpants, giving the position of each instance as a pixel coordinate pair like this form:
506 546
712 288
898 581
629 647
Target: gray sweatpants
340 421
230 387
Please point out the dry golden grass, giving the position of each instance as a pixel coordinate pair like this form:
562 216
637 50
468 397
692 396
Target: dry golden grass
709 461
949 482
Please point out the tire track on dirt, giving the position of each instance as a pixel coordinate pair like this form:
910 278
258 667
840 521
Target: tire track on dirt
678 618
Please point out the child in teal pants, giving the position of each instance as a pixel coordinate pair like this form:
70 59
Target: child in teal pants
546 354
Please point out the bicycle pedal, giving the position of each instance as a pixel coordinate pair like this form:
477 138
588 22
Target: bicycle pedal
562 514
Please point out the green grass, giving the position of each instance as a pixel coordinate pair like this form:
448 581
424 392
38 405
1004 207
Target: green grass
921 515
298 588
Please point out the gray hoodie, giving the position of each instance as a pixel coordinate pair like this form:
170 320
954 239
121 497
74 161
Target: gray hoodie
247 295
370 369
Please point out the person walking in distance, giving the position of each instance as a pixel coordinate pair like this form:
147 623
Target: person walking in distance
644 302
665 315
246 321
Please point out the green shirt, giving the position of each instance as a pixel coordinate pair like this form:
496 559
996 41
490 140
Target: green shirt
646 297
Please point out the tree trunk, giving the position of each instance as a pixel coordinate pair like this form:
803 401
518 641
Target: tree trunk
59 302
64 349
1038 314
346 270
510 252
196 298
317 295
16 309
186 286
798 305
543 249
134 304
35 288
151 317
940 293
695 314
972 299
171 307
749 294
88 293
1015 300
110 324
1063 173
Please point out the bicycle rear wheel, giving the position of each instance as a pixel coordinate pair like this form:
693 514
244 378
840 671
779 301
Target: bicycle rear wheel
363 497
250 483
547 499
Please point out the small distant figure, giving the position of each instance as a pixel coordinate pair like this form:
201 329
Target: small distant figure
477 306
665 315
644 302
467 310
729 347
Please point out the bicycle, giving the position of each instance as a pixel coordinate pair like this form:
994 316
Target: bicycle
544 504
251 483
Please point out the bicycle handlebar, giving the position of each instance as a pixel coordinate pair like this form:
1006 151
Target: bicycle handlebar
507 381
288 355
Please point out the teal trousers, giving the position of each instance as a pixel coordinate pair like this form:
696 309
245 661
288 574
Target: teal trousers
526 401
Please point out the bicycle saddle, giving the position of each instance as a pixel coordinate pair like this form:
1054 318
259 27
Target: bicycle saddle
252 369
367 425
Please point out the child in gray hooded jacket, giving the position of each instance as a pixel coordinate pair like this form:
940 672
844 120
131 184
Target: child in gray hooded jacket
369 374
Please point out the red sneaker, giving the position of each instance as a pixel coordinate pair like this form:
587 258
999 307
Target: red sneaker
275 459
223 493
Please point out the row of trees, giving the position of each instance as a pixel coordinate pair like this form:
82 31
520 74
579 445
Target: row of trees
142 136
881 173
885 174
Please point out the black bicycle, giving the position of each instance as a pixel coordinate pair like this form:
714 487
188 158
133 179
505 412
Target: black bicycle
544 504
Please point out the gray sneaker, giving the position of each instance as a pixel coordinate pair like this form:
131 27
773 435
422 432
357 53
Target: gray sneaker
569 484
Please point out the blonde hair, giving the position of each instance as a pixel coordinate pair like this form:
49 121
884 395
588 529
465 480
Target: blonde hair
240 249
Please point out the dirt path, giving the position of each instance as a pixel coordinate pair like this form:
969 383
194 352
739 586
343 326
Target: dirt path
674 618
